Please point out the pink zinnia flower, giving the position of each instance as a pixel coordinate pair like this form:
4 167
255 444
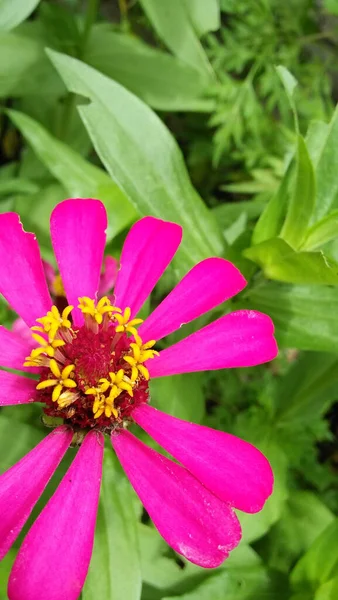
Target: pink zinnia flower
93 366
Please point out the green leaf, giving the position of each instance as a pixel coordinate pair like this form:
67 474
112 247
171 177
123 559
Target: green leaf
310 385
279 261
180 396
229 212
13 12
249 584
17 186
23 65
115 570
173 22
254 526
288 80
332 7
272 217
205 16
5 569
329 590
305 316
158 570
323 231
79 177
315 138
16 438
302 202
320 562
142 158
326 168
290 83
160 79
303 519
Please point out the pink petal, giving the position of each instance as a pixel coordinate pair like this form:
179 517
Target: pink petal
239 339
231 468
208 284
78 235
13 350
49 272
108 277
189 517
22 278
149 247
19 490
20 328
53 561
15 389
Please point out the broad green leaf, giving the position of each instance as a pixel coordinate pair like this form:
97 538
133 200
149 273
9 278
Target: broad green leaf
302 201
281 262
329 590
16 437
142 158
310 385
180 396
315 138
250 584
303 519
13 12
272 217
175 26
305 316
79 177
158 570
160 79
23 66
115 569
205 16
254 526
326 169
320 563
323 231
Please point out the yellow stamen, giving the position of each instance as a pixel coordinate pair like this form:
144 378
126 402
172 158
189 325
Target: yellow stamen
104 405
35 359
87 307
124 325
141 353
53 321
62 380
57 286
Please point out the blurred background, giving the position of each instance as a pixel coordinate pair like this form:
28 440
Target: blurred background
219 115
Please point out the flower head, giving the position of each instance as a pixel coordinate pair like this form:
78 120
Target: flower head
93 359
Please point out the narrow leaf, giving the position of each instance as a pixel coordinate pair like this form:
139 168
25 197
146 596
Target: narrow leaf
174 25
302 201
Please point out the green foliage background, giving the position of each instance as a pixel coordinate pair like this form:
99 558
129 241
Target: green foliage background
219 115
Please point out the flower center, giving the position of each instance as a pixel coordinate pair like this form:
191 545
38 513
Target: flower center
93 375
